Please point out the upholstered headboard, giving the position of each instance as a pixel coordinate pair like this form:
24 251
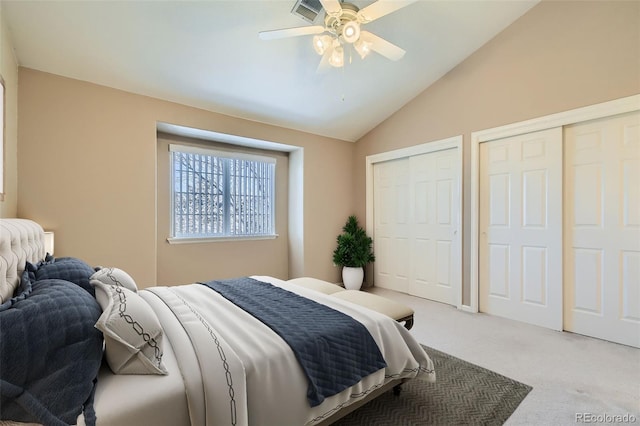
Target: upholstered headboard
21 240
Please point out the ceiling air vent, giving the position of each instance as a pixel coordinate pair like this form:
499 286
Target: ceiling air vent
307 9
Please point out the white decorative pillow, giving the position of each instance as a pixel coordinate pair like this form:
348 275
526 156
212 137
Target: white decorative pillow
132 332
115 276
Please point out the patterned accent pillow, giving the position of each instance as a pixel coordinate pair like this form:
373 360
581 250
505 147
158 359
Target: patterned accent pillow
132 332
117 277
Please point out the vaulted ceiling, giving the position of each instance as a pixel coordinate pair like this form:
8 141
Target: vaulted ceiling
207 54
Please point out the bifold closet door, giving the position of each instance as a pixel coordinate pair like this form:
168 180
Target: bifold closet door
520 224
392 229
602 229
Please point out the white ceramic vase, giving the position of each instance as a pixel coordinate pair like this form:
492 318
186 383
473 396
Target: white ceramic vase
352 277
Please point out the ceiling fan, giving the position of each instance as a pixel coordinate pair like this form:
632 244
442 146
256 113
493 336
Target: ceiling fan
343 27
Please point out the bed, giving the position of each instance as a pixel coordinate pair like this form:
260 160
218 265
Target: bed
206 359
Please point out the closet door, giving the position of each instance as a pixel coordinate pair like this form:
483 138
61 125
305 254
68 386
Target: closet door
520 227
416 219
602 229
434 208
392 228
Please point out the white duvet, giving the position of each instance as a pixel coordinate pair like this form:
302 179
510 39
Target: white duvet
236 371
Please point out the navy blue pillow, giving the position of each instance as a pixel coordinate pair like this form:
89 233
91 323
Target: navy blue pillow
50 353
68 269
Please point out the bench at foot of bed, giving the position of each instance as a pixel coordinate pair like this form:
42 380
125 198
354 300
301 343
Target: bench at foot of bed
317 285
391 308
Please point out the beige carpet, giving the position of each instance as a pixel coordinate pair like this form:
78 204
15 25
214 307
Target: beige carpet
570 374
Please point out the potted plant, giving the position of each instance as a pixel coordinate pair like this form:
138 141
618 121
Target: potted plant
353 252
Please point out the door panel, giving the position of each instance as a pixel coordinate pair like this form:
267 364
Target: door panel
602 229
588 270
534 276
630 286
520 257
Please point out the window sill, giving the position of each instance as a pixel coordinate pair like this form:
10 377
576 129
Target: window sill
196 240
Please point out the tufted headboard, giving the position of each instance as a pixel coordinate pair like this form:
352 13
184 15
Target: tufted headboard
21 240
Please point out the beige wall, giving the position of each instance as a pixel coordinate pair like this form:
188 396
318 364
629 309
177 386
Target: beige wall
87 154
87 170
558 56
9 73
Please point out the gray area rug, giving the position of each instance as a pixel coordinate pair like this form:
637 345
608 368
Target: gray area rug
464 394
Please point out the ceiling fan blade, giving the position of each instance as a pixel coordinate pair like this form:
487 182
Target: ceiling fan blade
290 32
382 46
381 8
332 7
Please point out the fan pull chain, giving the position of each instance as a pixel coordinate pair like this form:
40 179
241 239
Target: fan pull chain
343 72
344 79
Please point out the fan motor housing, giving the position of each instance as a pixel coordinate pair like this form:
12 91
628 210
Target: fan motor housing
335 23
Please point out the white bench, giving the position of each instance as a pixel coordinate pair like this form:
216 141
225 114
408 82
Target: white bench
390 308
317 285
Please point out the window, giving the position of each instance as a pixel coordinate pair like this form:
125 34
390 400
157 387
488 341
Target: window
221 194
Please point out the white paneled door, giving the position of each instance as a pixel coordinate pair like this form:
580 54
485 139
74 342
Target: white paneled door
602 229
433 209
416 211
520 225
392 228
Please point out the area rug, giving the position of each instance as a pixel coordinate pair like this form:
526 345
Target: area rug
464 394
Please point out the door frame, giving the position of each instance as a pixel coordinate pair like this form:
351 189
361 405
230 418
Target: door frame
578 115
425 148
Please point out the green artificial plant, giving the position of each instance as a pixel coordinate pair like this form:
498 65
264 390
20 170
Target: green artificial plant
354 246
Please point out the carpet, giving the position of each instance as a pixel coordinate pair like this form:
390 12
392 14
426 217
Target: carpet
463 394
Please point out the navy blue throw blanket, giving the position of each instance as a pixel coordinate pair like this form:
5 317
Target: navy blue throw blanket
50 353
334 350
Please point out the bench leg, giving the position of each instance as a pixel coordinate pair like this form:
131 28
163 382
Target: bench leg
408 323
397 389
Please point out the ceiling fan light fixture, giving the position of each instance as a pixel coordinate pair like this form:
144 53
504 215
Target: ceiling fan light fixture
363 47
351 32
321 43
342 27
337 57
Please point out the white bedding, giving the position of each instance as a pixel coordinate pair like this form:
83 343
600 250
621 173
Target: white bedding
143 399
225 367
237 371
